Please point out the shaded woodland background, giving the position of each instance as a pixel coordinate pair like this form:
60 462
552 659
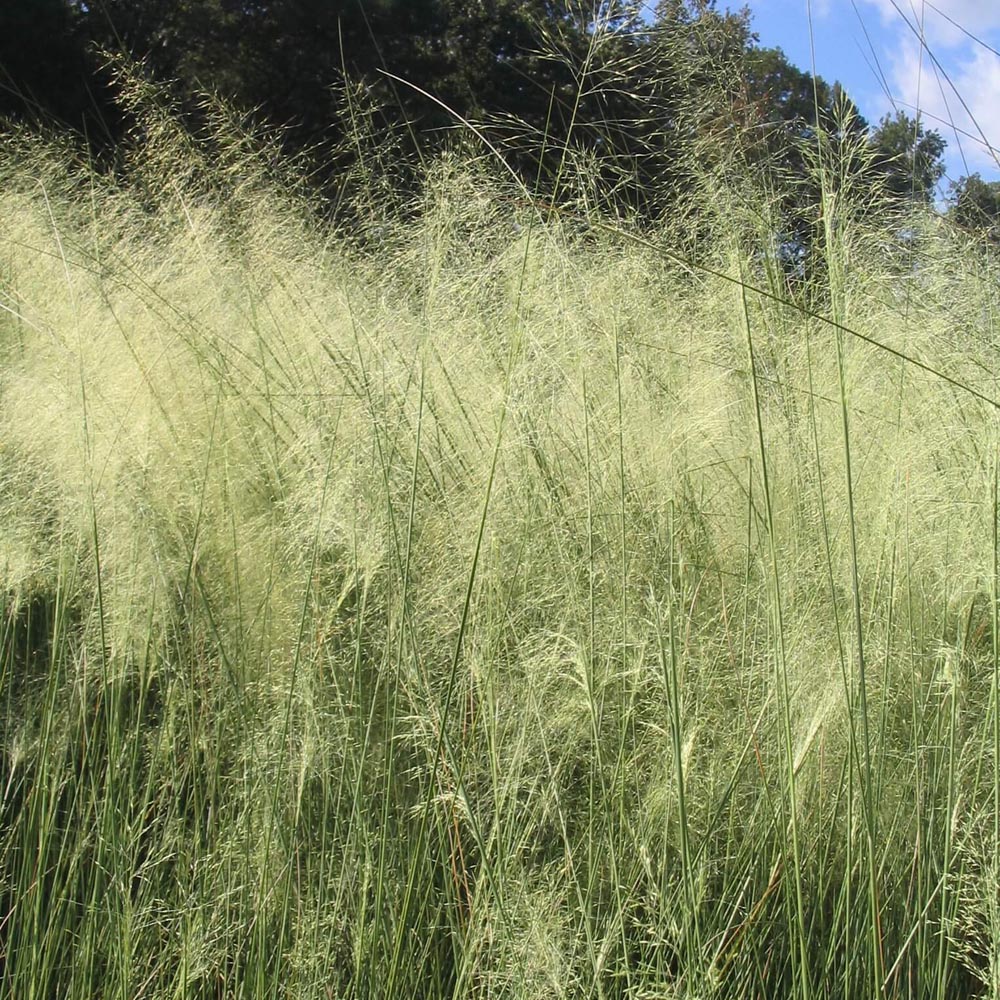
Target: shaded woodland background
639 105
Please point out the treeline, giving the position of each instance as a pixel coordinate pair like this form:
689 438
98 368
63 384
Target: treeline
596 104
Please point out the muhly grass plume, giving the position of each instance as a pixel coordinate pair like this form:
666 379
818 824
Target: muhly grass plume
471 611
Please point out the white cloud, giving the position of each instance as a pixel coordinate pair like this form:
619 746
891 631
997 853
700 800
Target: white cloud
966 108
942 20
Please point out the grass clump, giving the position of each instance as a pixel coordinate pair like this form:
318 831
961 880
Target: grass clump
495 609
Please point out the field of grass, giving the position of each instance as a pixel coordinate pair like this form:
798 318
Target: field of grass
490 607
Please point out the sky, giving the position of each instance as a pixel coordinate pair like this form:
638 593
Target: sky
873 48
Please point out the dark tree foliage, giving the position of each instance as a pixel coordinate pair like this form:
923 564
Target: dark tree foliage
412 69
590 103
975 206
692 75
566 88
45 74
790 96
908 158
795 130
618 102
789 111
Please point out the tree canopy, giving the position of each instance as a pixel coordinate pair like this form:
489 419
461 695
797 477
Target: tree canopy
908 157
975 206
636 105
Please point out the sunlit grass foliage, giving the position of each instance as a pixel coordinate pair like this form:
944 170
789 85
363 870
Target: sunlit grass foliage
482 603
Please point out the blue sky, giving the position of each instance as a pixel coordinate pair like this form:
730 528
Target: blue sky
871 47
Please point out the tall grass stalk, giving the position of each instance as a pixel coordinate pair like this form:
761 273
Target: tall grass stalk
790 806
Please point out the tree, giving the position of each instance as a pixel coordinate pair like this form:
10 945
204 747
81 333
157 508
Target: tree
975 206
44 70
794 133
586 99
657 97
785 109
908 158
410 68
